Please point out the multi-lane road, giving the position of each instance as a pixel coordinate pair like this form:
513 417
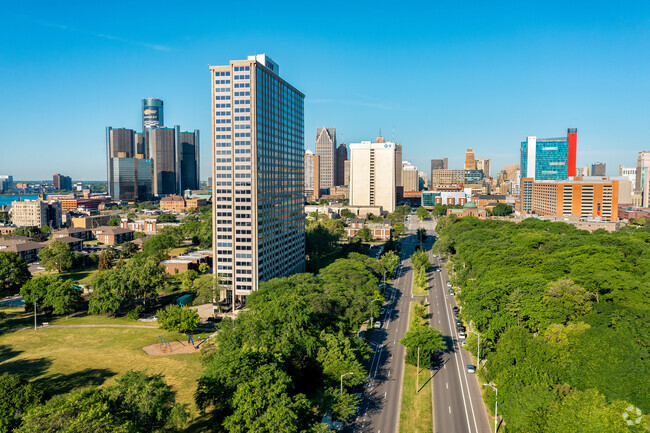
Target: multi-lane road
458 407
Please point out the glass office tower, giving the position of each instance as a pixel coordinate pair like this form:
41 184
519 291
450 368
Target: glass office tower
257 175
549 158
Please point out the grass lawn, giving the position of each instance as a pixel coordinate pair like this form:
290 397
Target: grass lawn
418 291
61 359
78 276
416 413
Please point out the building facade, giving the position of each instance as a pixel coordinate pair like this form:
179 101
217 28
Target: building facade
410 177
326 152
447 176
549 158
485 165
373 174
470 160
36 213
6 182
258 175
60 181
629 173
598 169
642 163
312 176
341 157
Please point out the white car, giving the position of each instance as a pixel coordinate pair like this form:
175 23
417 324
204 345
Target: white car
448 284
462 335
377 324
471 368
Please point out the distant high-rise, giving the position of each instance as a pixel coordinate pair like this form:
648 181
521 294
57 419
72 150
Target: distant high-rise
163 154
187 160
484 164
258 190
598 169
440 164
582 171
60 181
129 178
373 174
312 176
630 173
398 165
341 157
470 161
6 182
152 113
642 163
346 173
326 151
549 158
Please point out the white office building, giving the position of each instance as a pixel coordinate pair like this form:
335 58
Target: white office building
373 174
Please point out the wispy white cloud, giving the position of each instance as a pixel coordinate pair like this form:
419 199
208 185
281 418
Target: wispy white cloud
156 47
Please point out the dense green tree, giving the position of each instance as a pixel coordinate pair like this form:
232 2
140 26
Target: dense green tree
129 249
421 234
586 412
158 244
427 339
264 405
420 259
62 297
14 272
345 213
84 410
139 280
565 301
422 213
364 235
104 262
167 218
502 209
146 401
56 256
16 397
115 221
389 260
439 210
178 318
398 229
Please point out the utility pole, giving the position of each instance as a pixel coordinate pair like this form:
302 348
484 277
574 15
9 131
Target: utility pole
417 373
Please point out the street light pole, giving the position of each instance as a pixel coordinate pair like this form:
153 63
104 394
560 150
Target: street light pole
34 314
496 402
342 380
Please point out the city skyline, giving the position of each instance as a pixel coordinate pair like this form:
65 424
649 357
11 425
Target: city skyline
495 74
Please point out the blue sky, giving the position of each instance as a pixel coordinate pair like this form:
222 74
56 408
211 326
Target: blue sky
444 75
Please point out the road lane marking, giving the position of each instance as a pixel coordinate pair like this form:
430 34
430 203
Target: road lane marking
449 410
447 385
460 379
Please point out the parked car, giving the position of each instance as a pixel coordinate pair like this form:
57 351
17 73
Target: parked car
451 292
448 284
462 335
471 368
455 308
377 324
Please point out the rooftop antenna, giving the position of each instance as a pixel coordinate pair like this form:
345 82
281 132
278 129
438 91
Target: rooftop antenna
380 132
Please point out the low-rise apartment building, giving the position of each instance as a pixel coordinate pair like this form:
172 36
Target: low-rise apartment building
380 231
178 203
112 235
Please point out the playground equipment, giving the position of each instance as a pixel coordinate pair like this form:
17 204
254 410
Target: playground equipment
163 344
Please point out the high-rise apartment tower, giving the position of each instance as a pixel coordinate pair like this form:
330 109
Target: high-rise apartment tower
326 151
257 175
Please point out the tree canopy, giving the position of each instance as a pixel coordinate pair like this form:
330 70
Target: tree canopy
57 256
14 272
562 315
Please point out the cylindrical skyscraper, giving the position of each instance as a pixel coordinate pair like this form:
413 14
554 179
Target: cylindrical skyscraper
152 113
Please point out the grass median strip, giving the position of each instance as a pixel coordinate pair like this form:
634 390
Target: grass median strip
416 413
